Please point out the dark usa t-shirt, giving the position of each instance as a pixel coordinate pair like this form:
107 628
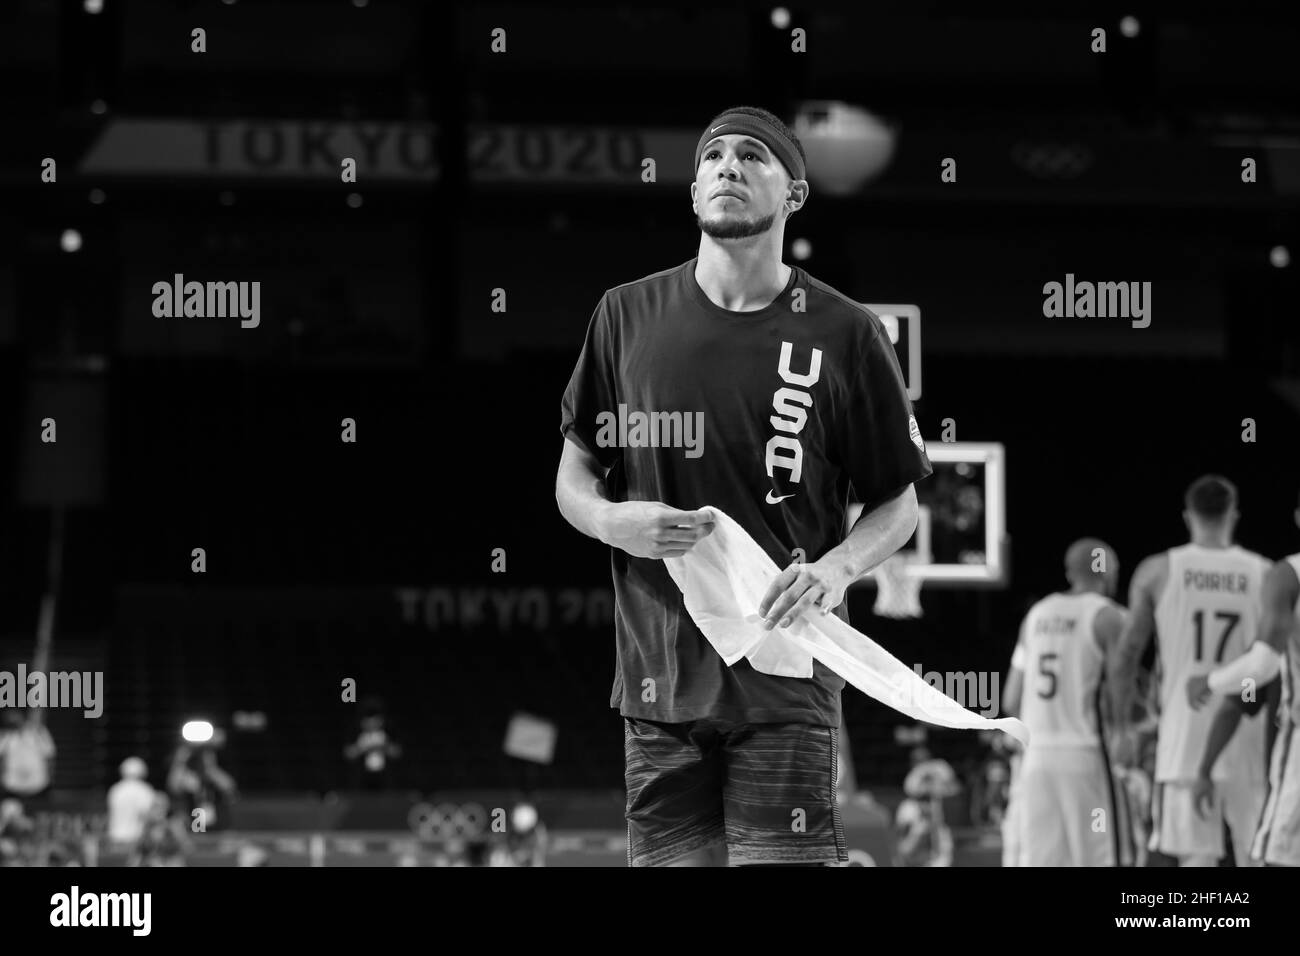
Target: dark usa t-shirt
769 415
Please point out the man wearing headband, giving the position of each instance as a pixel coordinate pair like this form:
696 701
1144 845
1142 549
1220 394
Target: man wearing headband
739 382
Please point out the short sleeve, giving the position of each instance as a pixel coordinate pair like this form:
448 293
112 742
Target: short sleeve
591 390
880 442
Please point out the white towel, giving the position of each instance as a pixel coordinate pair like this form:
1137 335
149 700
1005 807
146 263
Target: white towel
723 579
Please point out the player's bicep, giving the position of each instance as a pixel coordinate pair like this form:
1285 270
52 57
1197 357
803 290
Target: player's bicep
1108 627
1013 691
1141 595
1141 619
1278 598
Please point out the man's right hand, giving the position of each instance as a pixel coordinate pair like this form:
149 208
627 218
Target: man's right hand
651 529
1198 690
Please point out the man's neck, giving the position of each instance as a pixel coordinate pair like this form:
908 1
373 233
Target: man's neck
741 277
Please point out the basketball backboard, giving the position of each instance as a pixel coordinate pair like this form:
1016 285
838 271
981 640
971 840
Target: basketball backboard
961 537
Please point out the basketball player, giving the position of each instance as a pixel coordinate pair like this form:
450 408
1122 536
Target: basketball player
1277 650
1238 699
1068 812
800 396
1203 600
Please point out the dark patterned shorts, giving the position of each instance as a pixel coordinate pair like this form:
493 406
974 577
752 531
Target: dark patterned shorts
765 791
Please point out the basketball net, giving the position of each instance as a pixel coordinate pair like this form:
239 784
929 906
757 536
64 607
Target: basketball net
898 594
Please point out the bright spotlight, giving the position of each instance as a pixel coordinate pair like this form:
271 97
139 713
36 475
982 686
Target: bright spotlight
196 731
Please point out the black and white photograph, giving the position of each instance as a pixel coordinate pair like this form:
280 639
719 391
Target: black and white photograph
453 436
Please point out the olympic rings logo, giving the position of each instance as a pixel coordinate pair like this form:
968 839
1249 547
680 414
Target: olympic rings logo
447 820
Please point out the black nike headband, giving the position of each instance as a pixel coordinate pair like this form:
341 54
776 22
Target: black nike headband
763 131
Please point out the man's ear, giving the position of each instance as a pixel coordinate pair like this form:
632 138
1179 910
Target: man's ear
791 195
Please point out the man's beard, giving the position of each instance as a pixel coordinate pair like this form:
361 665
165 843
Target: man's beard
735 228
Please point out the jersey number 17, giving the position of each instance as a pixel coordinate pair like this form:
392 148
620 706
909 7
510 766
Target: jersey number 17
1230 622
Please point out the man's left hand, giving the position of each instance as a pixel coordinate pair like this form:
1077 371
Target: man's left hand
1203 796
801 587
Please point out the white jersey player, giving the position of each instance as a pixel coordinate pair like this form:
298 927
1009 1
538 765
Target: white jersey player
1277 841
1066 809
1203 601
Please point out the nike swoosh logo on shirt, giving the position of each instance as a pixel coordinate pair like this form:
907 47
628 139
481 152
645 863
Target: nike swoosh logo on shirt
777 500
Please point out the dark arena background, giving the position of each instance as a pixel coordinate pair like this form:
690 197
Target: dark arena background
310 554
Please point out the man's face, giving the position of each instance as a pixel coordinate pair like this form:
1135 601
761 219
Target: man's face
742 166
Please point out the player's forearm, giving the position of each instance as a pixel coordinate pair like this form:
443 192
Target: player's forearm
582 498
875 536
1222 728
1121 675
1259 665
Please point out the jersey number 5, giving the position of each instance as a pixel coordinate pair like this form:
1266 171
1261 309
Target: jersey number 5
1199 620
1050 673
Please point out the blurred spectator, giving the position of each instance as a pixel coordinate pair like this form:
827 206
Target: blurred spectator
17 834
250 854
526 840
165 840
372 752
458 852
26 757
924 838
195 781
990 784
129 803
